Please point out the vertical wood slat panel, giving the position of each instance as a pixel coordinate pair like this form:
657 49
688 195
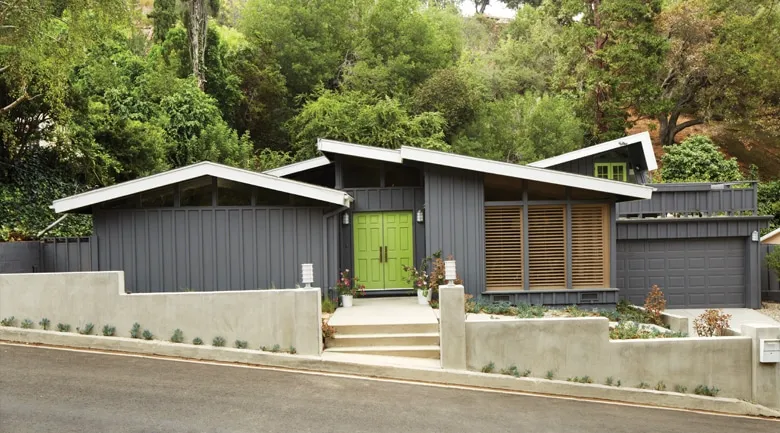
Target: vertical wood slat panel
547 247
504 248
590 246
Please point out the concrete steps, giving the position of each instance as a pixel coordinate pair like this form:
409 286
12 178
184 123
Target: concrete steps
409 340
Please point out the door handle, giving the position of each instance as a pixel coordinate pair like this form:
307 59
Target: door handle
385 253
381 257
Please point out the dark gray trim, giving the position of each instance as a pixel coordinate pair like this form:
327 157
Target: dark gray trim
338 164
678 228
604 298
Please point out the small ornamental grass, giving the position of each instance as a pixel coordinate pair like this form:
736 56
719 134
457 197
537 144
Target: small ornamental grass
197 341
27 324
86 329
109 331
63 327
178 336
8 321
218 341
706 390
135 331
147 335
241 344
45 324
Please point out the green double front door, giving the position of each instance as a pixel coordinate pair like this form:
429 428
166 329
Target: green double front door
383 244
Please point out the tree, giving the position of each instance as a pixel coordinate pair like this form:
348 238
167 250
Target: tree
698 159
197 21
450 93
366 119
164 18
522 129
722 63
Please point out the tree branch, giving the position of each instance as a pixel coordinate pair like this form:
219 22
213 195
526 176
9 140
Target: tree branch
18 101
687 124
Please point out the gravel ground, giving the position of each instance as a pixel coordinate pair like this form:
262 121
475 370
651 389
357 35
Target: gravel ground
771 309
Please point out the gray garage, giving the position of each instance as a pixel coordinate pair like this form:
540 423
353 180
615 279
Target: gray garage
699 263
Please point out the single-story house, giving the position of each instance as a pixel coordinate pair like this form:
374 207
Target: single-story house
579 228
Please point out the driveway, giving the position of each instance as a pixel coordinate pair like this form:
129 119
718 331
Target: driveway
739 317
48 390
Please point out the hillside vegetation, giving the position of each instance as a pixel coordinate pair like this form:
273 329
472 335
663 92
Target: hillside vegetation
95 92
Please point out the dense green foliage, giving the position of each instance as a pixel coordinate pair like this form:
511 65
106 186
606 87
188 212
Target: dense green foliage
94 92
697 159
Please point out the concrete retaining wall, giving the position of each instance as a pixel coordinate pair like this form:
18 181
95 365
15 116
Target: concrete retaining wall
261 317
581 347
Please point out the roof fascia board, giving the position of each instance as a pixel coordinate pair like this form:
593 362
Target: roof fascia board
525 172
182 174
642 137
770 234
298 167
359 150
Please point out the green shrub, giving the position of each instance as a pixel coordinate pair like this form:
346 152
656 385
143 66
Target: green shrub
577 379
550 375
328 306
292 350
276 348
45 323
63 327
27 324
610 381
135 331
681 389
178 336
511 371
109 331
8 321
241 344
218 342
87 329
147 335
643 385
773 260
527 311
660 386
706 390
197 341
489 367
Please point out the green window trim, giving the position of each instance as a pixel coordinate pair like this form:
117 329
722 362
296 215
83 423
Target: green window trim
611 170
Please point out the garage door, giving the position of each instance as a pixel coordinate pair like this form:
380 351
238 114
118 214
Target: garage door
693 273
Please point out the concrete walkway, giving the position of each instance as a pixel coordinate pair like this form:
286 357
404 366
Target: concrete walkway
739 317
384 311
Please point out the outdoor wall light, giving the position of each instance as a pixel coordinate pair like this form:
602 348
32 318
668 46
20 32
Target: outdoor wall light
420 216
449 272
754 236
307 274
345 219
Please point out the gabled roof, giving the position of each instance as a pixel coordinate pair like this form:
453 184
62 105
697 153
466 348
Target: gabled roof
486 166
193 171
296 167
642 137
770 235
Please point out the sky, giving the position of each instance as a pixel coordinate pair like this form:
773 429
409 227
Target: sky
494 9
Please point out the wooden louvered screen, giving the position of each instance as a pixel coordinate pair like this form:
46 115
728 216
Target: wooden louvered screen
589 246
504 247
547 247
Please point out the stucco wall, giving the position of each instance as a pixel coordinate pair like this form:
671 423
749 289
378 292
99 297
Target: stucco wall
261 317
581 347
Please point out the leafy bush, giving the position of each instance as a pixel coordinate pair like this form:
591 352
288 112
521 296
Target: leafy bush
109 331
711 323
241 344
773 260
489 367
45 323
87 329
63 327
632 331
135 331
218 342
706 390
327 330
178 336
197 341
681 389
655 303
27 324
8 321
527 311
147 335
328 306
697 159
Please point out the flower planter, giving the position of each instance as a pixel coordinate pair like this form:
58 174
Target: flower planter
346 301
423 299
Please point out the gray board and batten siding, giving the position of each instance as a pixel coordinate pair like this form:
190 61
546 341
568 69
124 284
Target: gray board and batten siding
698 262
770 281
631 155
212 248
77 254
698 199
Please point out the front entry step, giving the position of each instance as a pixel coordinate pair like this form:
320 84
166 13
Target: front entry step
429 352
394 328
374 340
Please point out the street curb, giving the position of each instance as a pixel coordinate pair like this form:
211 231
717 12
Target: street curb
436 376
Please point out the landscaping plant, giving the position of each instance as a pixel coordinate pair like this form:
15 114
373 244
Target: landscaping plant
711 323
45 324
241 344
418 277
135 331
655 303
27 324
109 331
681 389
63 327
660 386
178 336
643 385
218 342
550 375
488 368
197 341
349 286
327 330
292 350
773 260
328 306
87 329
706 390
276 348
511 371
8 321
147 335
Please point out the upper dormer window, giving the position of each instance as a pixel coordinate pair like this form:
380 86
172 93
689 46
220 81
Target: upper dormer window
611 170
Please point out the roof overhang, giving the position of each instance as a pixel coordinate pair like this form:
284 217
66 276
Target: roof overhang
770 235
182 174
643 138
359 150
297 167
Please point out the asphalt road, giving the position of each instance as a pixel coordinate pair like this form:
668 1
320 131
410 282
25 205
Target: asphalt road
46 390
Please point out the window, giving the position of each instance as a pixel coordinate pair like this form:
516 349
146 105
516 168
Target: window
231 193
611 170
504 247
589 246
160 197
196 192
546 247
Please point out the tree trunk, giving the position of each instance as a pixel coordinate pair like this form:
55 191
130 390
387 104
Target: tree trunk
197 36
669 128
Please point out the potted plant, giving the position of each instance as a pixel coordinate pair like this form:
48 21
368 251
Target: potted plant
348 288
419 280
